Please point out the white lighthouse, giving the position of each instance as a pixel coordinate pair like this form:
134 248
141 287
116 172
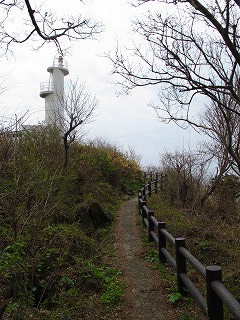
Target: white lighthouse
53 93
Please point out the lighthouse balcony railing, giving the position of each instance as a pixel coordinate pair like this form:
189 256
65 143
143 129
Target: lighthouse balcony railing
46 86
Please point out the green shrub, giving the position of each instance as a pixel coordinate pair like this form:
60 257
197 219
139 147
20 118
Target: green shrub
44 245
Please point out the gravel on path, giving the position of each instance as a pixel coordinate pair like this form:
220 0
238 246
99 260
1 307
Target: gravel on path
144 297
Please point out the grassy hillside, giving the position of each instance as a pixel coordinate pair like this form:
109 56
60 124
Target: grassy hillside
52 254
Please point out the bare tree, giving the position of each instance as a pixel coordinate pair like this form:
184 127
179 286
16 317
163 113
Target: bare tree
39 23
223 127
195 51
79 106
186 176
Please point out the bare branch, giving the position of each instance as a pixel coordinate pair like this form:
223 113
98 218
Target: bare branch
193 52
42 26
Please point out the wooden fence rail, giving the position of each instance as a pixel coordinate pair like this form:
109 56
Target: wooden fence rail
217 294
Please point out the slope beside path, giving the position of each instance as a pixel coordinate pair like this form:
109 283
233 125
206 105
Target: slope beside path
144 298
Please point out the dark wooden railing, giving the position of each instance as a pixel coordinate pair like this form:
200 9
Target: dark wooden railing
217 294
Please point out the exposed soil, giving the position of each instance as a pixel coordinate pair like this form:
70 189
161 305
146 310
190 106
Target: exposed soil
145 297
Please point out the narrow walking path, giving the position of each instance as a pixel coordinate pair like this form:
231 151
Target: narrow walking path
144 295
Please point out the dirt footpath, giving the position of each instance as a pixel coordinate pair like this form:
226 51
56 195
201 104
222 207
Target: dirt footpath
144 295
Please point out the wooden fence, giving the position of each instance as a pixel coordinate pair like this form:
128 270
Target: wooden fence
217 294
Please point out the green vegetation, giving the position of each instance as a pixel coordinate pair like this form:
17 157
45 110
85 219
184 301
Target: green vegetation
167 275
185 306
174 297
55 262
211 230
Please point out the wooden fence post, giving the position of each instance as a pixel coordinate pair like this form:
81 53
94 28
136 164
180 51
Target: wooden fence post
162 241
143 212
139 200
151 176
150 226
214 303
181 264
144 192
156 184
161 182
149 189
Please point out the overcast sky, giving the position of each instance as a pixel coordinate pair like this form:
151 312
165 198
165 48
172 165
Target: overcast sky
127 121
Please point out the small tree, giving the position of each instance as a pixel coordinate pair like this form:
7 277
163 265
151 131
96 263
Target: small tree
186 174
79 106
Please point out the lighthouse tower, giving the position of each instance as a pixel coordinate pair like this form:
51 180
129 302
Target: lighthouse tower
53 93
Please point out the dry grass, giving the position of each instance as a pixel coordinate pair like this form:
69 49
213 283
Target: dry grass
214 239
